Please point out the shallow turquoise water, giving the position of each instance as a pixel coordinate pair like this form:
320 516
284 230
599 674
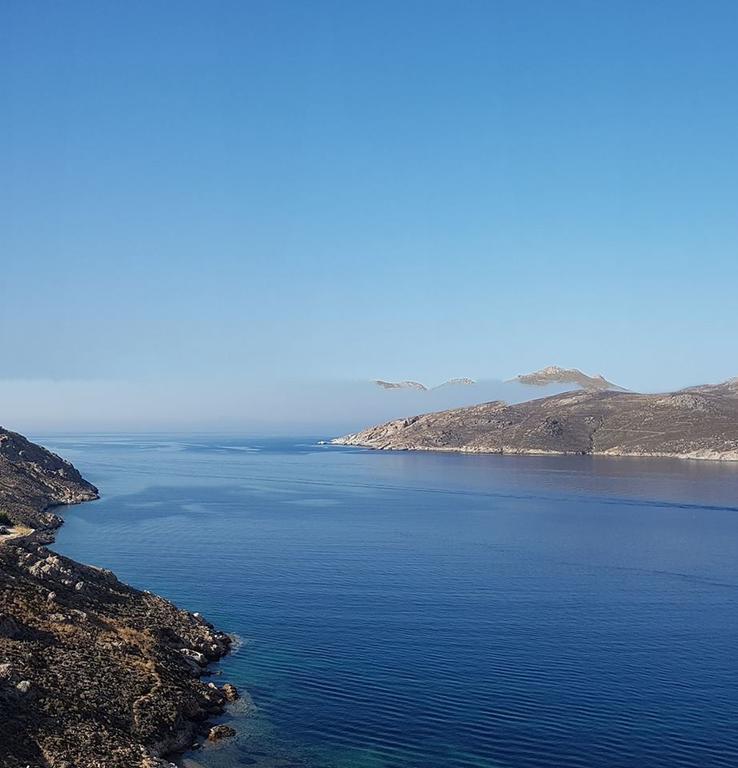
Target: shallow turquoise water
432 610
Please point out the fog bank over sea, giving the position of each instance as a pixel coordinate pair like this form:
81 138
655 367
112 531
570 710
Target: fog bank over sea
257 406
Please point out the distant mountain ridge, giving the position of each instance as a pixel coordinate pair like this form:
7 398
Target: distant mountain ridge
461 382
401 385
551 375
554 374
464 381
698 422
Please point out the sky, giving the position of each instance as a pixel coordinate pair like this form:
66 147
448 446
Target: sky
201 202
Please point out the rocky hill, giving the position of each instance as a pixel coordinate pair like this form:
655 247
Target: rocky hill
93 673
555 375
700 423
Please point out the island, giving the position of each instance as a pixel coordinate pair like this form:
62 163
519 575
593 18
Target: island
554 374
463 381
696 423
93 673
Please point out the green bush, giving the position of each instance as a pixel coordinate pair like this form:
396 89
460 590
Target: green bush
4 519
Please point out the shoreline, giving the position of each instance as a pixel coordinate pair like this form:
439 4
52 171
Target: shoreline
727 457
699 423
187 738
71 634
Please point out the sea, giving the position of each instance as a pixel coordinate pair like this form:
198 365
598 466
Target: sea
433 610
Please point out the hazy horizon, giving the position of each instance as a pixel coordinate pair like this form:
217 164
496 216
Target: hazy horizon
287 407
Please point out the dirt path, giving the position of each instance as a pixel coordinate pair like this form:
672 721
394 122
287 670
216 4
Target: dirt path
15 532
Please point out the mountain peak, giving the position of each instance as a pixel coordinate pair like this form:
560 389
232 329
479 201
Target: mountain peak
463 381
400 385
554 374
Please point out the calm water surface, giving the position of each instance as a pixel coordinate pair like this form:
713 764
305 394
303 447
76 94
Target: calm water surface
437 611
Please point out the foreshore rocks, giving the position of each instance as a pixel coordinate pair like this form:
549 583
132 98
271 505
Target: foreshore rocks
230 692
93 673
218 732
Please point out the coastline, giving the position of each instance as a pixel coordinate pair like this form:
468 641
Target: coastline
187 736
714 456
700 423
92 671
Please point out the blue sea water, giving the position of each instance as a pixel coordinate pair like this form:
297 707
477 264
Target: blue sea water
436 610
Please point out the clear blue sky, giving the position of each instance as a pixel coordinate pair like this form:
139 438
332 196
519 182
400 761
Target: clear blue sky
220 191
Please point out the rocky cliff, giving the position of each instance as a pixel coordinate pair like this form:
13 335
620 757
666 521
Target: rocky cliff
700 423
93 673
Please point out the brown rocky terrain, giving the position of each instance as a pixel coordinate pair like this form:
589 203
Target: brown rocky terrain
699 423
93 673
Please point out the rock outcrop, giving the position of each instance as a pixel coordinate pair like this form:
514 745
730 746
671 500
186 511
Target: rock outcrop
93 673
218 732
699 423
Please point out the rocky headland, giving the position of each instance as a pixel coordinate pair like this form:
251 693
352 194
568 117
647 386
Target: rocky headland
93 673
698 423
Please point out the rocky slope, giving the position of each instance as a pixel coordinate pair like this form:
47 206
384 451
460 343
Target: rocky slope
701 423
93 673
555 375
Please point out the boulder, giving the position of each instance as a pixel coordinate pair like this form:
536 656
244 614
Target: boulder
230 692
195 656
218 732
